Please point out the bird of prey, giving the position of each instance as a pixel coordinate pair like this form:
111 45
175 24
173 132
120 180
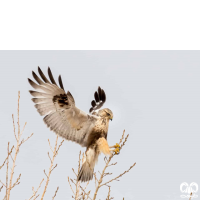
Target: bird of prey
65 119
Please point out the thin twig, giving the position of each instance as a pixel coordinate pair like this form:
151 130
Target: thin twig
7 157
16 151
14 126
23 128
70 186
55 193
108 196
9 185
74 171
16 182
122 137
112 164
49 156
85 193
119 175
54 167
2 183
59 147
35 192
1 188
28 137
77 182
7 170
50 146
51 168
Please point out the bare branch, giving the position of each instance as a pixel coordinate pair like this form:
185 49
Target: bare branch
50 146
74 172
119 175
7 157
55 193
16 183
23 129
7 170
14 127
45 173
70 186
49 156
2 183
112 164
59 147
28 137
124 142
19 143
35 192
122 137
16 151
108 196
51 168
54 167
1 188
85 193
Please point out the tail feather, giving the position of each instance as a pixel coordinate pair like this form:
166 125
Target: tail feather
86 173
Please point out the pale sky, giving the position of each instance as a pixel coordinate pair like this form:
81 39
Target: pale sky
154 96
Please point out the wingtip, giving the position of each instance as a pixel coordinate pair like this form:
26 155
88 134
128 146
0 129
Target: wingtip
60 82
39 69
29 80
33 73
91 109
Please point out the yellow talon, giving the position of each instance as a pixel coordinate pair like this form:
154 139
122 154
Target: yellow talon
116 151
117 145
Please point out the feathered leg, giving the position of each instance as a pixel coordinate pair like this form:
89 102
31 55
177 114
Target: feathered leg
104 147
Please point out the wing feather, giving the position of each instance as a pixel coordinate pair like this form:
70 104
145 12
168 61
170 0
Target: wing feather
39 94
39 88
41 100
51 76
99 100
58 107
42 75
60 82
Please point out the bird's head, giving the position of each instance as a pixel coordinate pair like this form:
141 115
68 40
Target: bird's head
106 113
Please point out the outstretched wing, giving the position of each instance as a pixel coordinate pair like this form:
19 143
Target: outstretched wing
61 114
99 100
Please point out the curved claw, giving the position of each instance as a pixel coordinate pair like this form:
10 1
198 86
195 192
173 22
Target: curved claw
117 145
117 150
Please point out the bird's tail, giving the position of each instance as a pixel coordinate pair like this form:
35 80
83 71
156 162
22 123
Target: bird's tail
86 172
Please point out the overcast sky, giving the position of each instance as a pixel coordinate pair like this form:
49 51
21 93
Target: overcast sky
154 96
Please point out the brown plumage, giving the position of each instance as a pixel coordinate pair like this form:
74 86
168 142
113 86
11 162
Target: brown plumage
71 123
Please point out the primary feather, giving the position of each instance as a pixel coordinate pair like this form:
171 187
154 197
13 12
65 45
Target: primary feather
61 114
